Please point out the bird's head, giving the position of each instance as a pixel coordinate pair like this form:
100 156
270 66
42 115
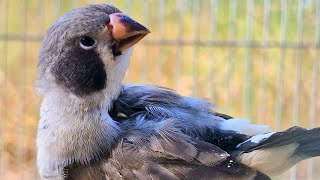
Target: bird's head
86 52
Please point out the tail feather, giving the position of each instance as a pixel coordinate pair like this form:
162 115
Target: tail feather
309 145
274 153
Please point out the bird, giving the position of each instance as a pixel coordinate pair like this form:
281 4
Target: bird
92 126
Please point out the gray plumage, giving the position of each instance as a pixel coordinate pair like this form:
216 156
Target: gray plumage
93 127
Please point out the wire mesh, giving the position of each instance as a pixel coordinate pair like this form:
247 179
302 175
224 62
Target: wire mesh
252 58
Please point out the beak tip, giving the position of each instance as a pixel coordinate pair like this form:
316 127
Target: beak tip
126 30
123 26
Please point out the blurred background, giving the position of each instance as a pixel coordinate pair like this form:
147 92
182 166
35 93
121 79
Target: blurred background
252 58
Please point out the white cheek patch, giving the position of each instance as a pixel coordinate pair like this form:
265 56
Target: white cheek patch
243 126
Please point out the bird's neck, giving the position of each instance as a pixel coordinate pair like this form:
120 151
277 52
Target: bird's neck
72 131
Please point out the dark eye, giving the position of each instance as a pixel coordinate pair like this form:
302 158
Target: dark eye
87 42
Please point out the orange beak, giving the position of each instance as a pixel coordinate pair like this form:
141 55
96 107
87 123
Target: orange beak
125 31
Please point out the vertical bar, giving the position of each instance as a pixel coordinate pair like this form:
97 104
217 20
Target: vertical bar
298 65
315 71
145 15
22 82
128 6
57 8
179 50
3 121
295 114
195 61
231 36
127 10
248 89
74 3
214 9
280 81
108 1
314 89
262 85
41 16
161 26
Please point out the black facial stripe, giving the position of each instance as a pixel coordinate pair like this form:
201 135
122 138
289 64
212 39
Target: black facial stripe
81 71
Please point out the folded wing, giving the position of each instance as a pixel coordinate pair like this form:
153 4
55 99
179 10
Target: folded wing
160 151
201 130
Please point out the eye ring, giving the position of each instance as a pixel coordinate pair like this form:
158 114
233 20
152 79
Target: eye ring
87 42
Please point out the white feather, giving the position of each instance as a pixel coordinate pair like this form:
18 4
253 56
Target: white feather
243 126
257 138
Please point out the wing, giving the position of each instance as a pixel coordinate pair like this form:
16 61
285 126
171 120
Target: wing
197 117
194 119
253 145
159 150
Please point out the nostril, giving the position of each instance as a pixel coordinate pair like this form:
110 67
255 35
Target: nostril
110 26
